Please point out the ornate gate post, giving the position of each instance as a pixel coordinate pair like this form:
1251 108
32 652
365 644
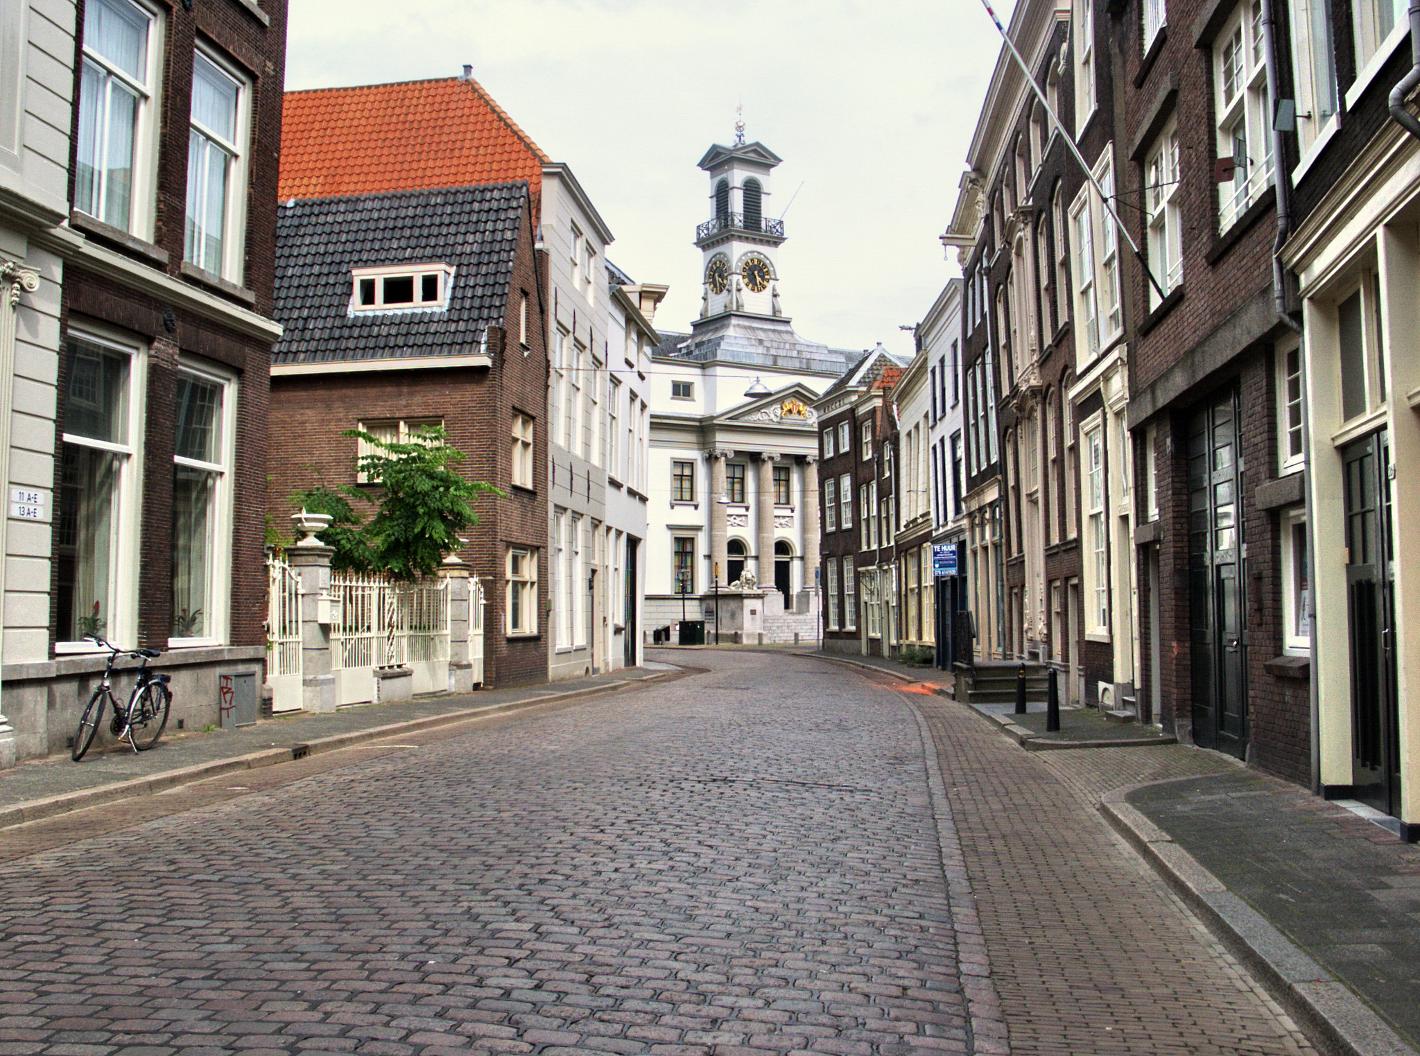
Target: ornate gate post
310 560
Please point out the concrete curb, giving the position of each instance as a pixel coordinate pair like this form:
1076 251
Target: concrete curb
940 691
68 802
1334 1017
1034 742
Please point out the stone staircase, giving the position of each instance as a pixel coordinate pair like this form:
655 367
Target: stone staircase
994 681
781 626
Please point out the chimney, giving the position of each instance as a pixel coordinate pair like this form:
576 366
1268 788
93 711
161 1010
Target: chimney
467 74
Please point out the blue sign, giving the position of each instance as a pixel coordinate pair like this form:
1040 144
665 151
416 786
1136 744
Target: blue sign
944 559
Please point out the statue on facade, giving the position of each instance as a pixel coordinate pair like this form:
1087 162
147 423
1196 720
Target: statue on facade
739 295
774 300
704 301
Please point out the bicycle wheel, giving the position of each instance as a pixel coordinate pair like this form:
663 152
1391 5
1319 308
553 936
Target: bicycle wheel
88 724
148 714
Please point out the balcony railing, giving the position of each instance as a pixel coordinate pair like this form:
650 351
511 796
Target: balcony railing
758 225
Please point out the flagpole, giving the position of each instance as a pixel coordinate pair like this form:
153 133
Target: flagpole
1070 142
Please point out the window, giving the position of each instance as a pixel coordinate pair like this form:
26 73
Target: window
753 204
1113 321
867 438
955 368
1371 23
830 505
831 609
1072 475
722 199
735 482
850 599
562 578
866 520
682 390
1096 556
1062 282
1154 18
390 431
1084 44
1151 473
1312 69
1086 311
1243 111
781 486
576 579
202 524
682 481
98 509
845 502
522 319
216 169
845 438
558 409
522 591
1163 214
387 289
113 181
1042 271
683 548
1052 471
1362 354
828 451
614 461
523 451
576 261
956 475
1289 408
1296 585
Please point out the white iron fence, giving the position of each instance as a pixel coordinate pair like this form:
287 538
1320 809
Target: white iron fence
376 623
476 601
283 635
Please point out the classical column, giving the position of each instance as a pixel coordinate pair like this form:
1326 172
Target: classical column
764 518
810 521
13 278
719 531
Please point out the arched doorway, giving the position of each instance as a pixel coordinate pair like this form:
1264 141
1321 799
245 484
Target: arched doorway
734 560
784 569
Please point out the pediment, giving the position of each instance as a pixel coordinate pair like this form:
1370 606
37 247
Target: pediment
789 406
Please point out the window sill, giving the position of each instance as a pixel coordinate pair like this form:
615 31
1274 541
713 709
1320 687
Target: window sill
1226 240
118 237
1151 56
1317 148
525 489
1097 636
1161 310
1359 427
681 504
194 643
251 7
212 281
1399 33
1288 665
523 636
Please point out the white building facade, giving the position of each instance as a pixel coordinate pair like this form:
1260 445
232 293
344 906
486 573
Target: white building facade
939 337
734 490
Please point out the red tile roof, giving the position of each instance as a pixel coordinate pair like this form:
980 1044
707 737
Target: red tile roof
414 135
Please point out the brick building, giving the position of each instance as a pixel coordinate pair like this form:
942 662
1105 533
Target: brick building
155 495
1216 501
1353 240
413 309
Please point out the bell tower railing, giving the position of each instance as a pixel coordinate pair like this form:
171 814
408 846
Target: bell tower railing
739 222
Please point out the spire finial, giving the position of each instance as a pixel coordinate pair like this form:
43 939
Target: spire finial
740 125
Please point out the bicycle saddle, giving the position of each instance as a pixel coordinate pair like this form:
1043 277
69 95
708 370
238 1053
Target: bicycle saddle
150 653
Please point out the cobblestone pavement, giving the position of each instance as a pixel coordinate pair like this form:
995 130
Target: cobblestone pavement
1090 951
746 860
756 859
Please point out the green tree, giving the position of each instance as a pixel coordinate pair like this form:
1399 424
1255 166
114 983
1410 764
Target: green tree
345 534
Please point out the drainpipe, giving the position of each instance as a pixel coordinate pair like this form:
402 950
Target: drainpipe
1282 185
1403 117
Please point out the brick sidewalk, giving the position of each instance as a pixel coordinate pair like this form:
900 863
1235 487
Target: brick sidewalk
58 776
1340 887
1090 951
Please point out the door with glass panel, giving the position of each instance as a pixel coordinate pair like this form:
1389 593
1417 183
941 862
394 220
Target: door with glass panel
1218 646
1370 602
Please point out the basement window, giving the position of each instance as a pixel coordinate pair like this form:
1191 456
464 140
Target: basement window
388 289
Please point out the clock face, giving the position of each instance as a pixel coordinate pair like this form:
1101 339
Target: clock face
717 275
756 273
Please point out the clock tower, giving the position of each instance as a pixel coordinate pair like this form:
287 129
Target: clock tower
739 273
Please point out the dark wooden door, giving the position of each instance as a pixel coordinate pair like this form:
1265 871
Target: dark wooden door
1215 578
1375 714
633 630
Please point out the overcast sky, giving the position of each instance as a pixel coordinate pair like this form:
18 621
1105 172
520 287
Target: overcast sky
871 104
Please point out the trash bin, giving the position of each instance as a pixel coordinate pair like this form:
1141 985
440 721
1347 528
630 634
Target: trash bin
692 632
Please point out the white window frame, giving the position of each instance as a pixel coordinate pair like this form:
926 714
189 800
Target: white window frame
524 440
391 430
830 505
827 443
845 438
845 502
577 596
143 189
525 585
830 622
1163 214
1238 61
1290 399
522 321
576 246
1314 76
220 572
1296 632
121 624
866 430
1086 314
1155 18
234 214
690 566
1095 557
1083 26
1107 245
682 389
676 498
415 272
850 595
1366 285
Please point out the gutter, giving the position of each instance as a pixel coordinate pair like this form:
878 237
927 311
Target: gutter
1398 112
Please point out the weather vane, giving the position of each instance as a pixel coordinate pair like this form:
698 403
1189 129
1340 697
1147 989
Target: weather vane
740 125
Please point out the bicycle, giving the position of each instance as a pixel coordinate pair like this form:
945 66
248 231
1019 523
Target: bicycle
142 720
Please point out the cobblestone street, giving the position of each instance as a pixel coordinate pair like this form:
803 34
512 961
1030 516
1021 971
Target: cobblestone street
763 857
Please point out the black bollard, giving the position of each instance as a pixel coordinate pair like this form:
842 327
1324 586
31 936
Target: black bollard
1021 690
1052 703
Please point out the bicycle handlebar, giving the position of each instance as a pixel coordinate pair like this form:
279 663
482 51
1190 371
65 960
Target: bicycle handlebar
119 650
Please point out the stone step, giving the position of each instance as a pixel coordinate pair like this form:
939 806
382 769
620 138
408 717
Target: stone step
1120 715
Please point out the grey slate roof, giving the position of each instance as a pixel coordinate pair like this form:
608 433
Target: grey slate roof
670 342
319 241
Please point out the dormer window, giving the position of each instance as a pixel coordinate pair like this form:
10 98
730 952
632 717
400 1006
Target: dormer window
387 289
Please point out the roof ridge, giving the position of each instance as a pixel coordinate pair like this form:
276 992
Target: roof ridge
358 87
503 116
496 185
